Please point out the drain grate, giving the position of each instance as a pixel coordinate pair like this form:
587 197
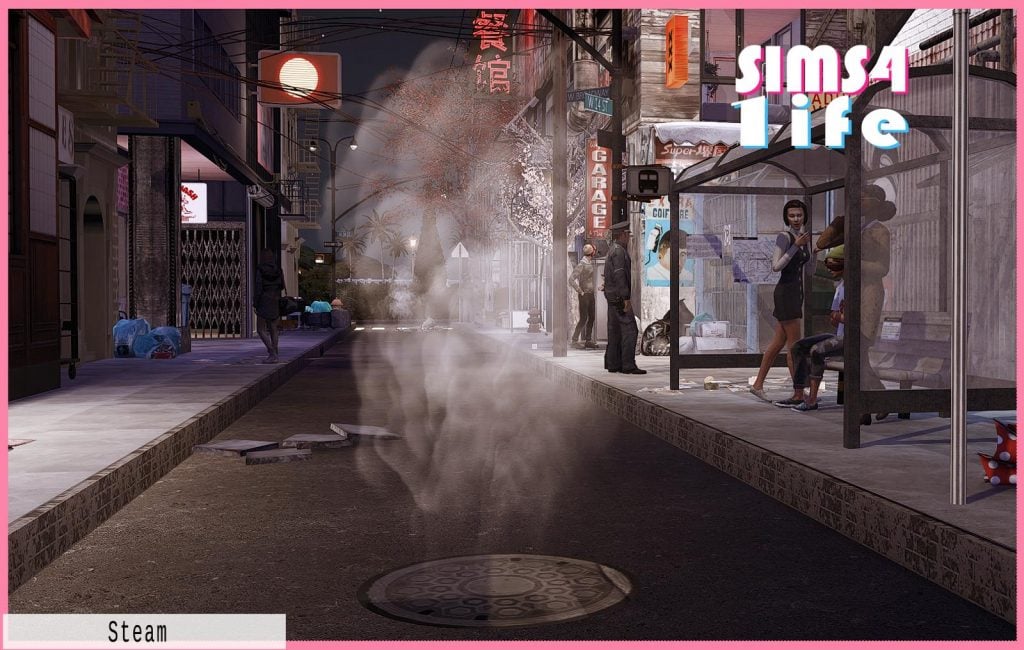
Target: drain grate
495 591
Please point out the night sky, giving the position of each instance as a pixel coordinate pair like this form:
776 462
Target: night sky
372 43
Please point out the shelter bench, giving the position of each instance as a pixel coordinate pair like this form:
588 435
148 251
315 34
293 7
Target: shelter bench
913 348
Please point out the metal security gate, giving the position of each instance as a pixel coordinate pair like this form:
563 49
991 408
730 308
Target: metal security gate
214 263
68 273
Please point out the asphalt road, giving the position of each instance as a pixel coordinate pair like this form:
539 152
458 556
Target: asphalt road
493 460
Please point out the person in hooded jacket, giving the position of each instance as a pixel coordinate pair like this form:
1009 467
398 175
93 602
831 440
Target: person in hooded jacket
266 296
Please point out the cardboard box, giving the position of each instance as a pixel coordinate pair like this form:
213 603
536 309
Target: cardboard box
715 343
714 329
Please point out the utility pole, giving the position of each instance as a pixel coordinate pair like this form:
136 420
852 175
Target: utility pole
619 142
560 200
1006 52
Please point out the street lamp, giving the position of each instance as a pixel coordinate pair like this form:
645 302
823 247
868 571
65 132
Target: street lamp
353 145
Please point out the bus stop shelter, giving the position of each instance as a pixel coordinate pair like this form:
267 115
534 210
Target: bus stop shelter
898 270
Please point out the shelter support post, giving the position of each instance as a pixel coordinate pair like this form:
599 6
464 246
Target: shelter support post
673 292
958 240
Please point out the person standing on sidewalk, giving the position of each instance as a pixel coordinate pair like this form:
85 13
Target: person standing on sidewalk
791 253
582 282
266 301
620 354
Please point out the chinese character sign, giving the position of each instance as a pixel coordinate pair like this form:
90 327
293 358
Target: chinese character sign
493 59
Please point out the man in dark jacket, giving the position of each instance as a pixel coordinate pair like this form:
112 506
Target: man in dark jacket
620 355
266 296
582 282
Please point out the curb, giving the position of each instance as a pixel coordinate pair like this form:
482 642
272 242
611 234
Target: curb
976 569
42 535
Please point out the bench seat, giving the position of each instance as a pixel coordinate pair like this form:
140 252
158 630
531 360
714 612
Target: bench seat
918 356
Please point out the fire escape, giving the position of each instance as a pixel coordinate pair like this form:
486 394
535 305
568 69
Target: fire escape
106 81
302 183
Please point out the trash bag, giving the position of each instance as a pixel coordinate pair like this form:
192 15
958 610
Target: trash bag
169 334
125 332
143 344
320 307
163 350
340 319
655 341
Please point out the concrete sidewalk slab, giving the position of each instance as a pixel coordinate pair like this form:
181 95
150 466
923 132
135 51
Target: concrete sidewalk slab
120 425
277 456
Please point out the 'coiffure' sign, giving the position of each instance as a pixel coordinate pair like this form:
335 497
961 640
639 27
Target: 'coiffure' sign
193 203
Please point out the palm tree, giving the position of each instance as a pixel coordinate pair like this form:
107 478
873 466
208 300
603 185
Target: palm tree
353 244
398 246
379 227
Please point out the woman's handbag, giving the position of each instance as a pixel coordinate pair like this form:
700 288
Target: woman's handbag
288 305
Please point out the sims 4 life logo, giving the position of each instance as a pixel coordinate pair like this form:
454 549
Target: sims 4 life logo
819 70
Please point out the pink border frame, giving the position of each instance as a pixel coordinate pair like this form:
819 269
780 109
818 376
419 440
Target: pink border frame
448 4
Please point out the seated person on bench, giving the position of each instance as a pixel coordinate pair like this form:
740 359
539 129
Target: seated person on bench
809 353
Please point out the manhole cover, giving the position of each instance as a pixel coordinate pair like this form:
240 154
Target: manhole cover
495 590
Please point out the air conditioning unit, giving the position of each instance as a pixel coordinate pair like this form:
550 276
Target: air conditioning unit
260 195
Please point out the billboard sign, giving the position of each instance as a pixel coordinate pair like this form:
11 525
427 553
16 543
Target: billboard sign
193 203
300 79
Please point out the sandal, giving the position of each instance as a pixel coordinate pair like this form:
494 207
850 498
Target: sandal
759 393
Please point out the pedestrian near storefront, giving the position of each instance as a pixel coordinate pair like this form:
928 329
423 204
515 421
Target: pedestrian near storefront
620 354
791 253
266 301
582 282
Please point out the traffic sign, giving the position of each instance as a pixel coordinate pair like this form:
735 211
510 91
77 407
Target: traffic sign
460 251
577 95
333 244
597 104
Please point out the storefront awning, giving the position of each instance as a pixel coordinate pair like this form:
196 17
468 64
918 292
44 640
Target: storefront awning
692 132
776 169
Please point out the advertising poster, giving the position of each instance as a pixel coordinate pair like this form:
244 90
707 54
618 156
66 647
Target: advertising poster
657 253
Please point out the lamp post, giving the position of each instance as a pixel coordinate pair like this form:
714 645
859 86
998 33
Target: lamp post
412 251
334 168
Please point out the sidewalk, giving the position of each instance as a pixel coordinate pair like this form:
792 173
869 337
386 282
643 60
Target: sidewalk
103 438
891 494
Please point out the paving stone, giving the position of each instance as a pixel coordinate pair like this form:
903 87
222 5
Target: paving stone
277 456
364 430
316 441
234 447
